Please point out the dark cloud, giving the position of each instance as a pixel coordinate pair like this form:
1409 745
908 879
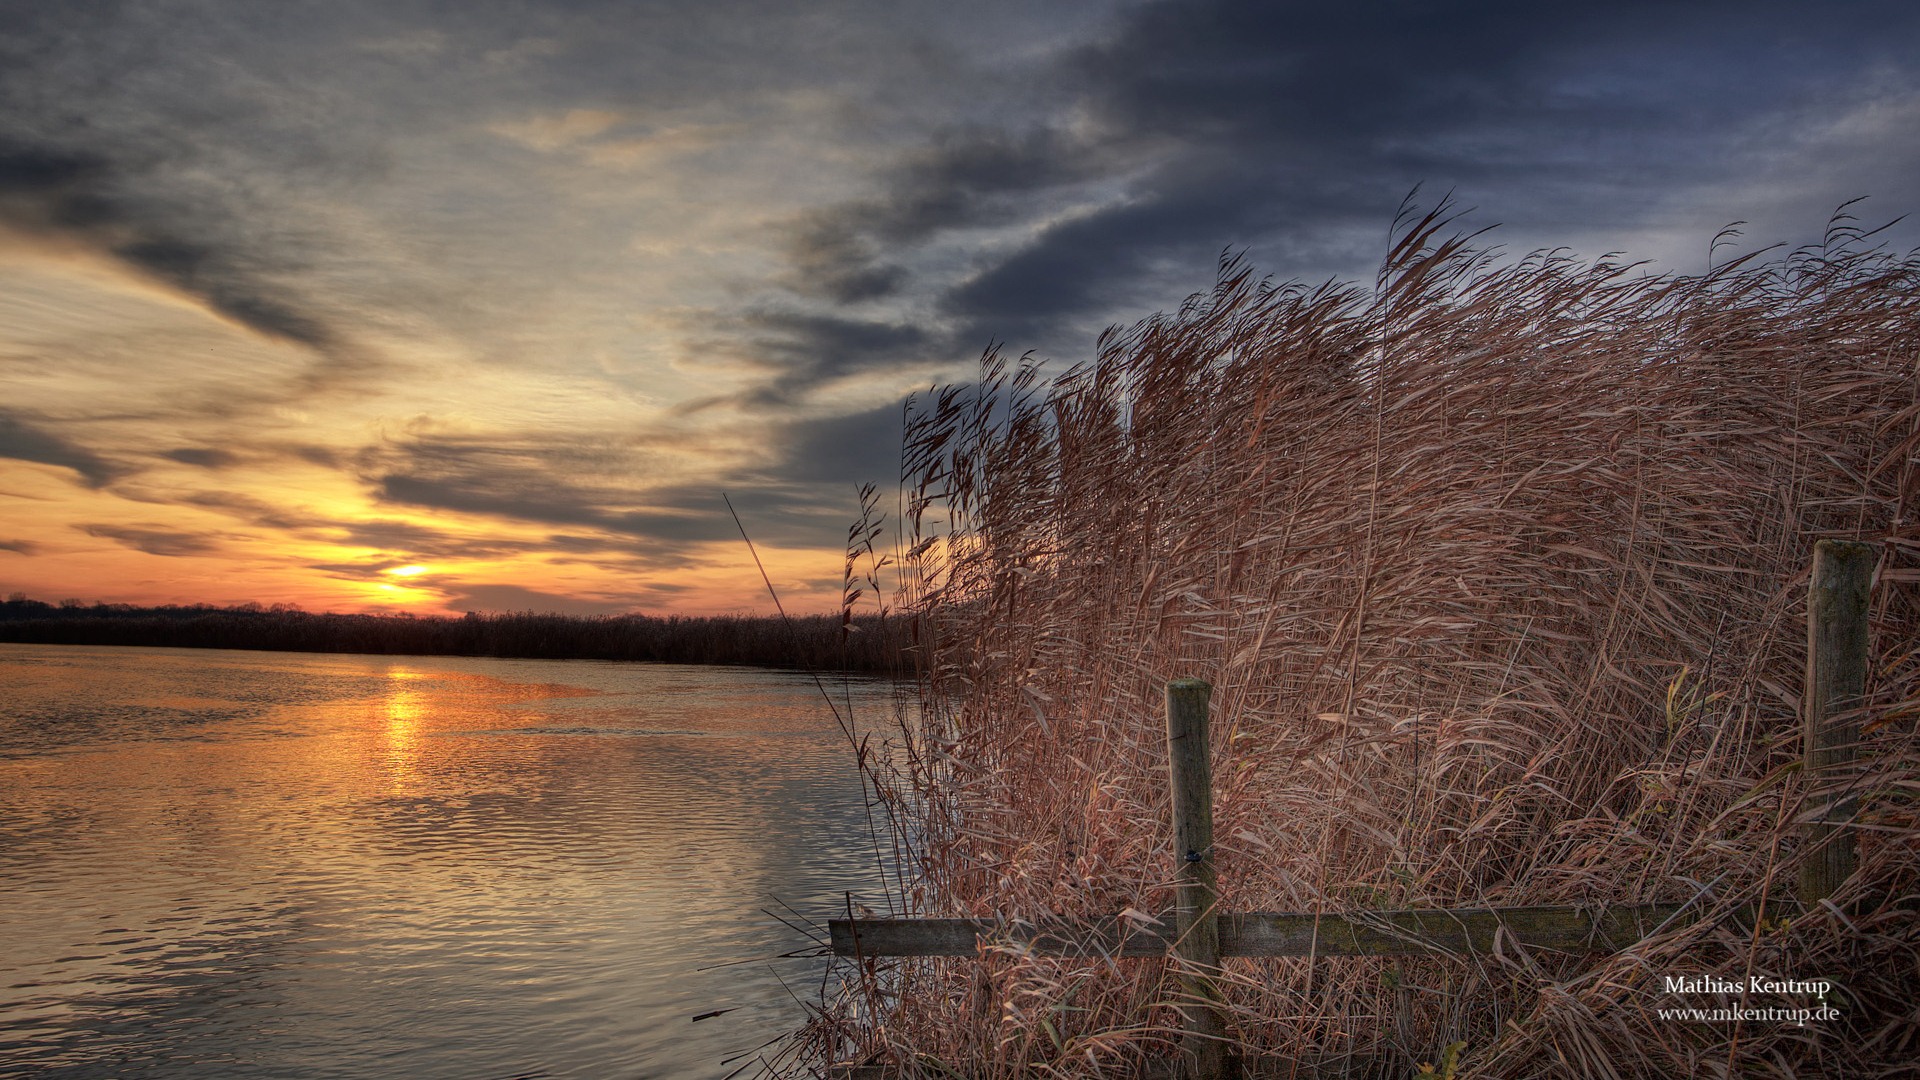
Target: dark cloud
26 442
517 598
581 545
956 179
113 206
62 177
1114 259
1292 130
542 500
841 451
325 457
803 496
832 259
20 547
576 484
412 543
219 276
204 457
247 508
366 570
154 541
807 350
961 178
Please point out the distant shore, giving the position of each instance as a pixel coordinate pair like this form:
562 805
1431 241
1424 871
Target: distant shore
816 642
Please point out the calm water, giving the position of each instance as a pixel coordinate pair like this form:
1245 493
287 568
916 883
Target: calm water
267 864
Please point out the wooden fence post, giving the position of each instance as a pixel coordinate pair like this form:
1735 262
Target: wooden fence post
1836 689
1196 925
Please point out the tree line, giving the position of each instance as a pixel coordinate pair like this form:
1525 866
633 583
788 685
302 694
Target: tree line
818 642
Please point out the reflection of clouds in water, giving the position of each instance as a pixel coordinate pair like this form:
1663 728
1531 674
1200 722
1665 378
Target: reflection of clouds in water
189 961
475 865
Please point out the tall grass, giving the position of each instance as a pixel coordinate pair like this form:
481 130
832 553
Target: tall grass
1498 569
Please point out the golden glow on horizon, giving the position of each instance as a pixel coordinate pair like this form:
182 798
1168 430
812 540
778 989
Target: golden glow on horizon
181 509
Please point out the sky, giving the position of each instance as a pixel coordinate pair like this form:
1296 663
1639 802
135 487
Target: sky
379 305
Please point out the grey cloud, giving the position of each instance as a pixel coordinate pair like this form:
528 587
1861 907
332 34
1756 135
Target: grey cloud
801 498
832 259
579 484
369 570
111 205
494 597
153 541
23 441
961 177
325 457
954 178
411 542
244 507
219 276
204 457
842 450
540 499
20 547
809 349
1292 130
581 545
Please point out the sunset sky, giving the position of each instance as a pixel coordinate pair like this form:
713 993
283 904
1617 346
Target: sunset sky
464 306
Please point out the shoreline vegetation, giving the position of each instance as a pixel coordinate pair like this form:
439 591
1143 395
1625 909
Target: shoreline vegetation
866 643
1499 571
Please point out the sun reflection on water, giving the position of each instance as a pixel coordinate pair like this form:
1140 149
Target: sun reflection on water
405 705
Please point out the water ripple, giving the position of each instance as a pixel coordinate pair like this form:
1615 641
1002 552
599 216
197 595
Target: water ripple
238 864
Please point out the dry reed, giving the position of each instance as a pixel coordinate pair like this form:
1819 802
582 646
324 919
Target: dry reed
1498 570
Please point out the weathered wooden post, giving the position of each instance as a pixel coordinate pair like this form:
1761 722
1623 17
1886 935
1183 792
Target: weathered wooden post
1196 948
1836 689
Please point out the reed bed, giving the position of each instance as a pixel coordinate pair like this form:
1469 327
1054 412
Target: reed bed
1499 571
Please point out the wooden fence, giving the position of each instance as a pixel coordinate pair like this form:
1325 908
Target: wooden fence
1195 935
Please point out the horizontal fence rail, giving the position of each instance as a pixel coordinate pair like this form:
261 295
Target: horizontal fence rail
1458 931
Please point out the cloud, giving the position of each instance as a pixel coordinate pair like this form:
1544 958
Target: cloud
153 541
664 200
809 350
962 177
510 598
25 442
841 451
555 131
574 483
1293 130
831 259
20 547
538 498
598 496
364 570
111 204
204 457
252 510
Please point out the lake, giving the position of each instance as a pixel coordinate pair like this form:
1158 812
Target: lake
226 864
